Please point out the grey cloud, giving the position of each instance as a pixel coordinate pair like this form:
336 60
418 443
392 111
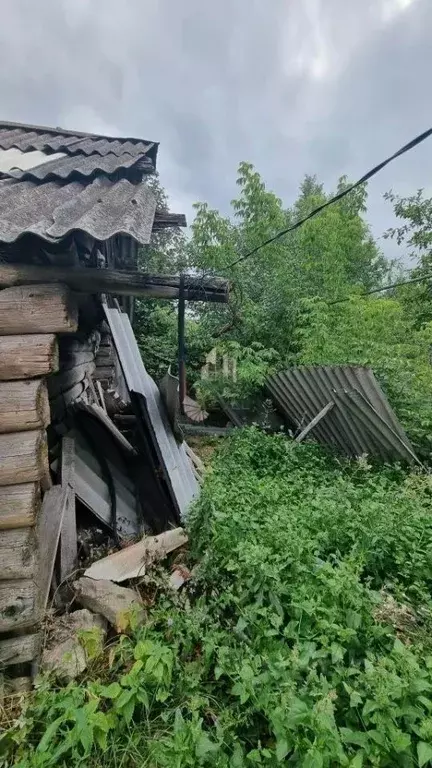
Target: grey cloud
306 86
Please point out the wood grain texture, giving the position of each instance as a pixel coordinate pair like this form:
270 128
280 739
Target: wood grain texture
19 650
91 280
24 405
37 309
18 552
24 458
18 604
27 357
68 533
19 505
49 525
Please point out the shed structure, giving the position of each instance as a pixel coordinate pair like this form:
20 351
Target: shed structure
74 210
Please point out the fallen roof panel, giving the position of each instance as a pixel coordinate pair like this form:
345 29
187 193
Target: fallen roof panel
179 474
362 421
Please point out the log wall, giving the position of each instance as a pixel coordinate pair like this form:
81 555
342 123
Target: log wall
30 319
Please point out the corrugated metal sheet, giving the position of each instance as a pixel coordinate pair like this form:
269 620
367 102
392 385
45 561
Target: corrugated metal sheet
101 208
179 474
30 137
361 420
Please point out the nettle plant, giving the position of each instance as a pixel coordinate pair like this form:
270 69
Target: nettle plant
284 649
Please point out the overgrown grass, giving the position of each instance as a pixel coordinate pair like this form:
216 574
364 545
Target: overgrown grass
276 656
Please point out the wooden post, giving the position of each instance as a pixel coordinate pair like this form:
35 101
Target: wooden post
48 533
68 534
37 309
27 357
23 405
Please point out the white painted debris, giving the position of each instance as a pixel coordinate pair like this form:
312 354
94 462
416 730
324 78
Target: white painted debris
65 654
118 605
131 562
180 575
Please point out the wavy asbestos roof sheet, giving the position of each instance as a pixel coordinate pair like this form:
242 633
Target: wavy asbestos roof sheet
101 208
62 167
361 419
30 137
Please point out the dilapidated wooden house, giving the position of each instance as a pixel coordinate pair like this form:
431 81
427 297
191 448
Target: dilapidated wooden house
82 424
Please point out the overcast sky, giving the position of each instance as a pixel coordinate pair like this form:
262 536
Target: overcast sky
294 86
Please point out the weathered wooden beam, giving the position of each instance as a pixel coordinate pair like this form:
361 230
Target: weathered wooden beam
23 405
90 280
17 554
19 650
19 505
37 309
49 525
68 533
24 458
27 357
18 604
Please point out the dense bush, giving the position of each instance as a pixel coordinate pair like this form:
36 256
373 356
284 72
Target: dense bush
276 655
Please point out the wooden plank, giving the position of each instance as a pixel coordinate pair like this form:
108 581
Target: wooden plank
37 309
18 604
131 562
90 280
26 357
18 549
19 505
316 420
24 405
19 650
68 534
49 526
24 458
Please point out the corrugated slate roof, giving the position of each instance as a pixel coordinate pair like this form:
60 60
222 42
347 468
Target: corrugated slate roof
30 137
360 420
101 208
56 182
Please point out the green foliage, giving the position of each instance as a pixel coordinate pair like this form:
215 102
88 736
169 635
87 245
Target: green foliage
253 365
276 655
378 333
327 254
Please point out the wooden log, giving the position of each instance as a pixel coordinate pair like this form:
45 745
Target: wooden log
90 280
19 505
37 309
24 458
18 550
24 405
18 604
19 650
66 379
27 357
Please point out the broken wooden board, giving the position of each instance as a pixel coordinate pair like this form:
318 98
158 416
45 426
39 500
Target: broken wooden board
131 562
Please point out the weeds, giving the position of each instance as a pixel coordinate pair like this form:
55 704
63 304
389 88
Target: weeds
281 651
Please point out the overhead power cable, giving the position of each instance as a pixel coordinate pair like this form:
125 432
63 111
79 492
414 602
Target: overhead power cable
413 143
385 288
